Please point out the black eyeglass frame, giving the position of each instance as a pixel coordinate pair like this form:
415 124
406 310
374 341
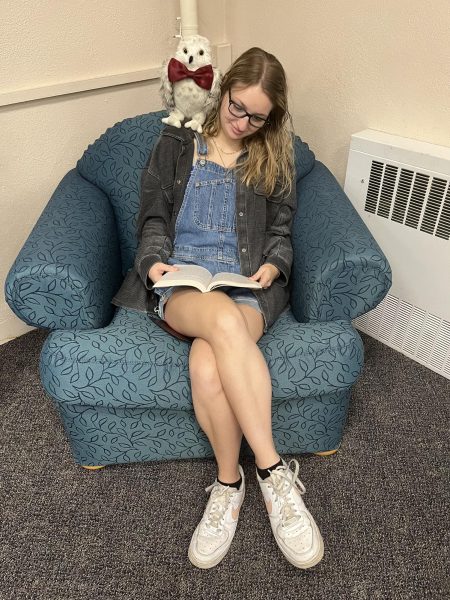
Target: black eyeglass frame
245 114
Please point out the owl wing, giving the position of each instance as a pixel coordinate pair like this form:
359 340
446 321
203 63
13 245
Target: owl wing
214 92
166 89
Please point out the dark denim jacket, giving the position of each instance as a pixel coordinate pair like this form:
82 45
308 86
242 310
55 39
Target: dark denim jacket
263 225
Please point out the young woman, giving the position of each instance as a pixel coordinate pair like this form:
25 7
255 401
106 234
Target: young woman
225 200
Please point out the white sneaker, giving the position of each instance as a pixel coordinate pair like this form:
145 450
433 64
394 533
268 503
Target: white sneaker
214 534
294 529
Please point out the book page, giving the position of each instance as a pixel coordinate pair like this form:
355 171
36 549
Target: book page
190 275
234 280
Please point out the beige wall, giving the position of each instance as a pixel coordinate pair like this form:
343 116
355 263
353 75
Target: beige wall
355 64
50 42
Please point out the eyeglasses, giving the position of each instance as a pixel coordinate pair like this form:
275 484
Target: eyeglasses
238 111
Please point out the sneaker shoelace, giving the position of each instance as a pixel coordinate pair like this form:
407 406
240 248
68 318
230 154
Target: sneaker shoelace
283 479
220 500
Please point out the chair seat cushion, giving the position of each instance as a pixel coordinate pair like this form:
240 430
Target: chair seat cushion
132 363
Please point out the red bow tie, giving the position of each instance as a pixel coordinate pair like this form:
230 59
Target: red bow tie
203 76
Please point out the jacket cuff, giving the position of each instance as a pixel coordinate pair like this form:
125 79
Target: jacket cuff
285 271
144 266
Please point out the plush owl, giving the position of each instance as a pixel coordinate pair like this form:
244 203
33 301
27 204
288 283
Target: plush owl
190 86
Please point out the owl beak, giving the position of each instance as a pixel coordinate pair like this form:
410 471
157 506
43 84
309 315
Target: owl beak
191 58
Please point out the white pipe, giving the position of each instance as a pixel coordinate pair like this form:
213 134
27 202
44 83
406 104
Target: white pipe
189 20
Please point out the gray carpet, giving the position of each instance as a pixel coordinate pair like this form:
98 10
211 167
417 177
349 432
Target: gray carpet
123 532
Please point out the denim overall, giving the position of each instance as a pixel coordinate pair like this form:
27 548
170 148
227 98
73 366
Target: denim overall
205 229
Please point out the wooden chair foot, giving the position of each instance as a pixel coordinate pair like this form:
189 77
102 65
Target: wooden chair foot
327 453
93 468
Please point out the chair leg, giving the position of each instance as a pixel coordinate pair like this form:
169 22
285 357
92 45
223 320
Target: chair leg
327 453
93 468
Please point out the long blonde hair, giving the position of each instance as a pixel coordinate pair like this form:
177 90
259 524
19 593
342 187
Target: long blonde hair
270 158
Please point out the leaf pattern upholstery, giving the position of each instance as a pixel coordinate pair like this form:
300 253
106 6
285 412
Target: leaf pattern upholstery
339 271
128 382
69 267
114 164
119 382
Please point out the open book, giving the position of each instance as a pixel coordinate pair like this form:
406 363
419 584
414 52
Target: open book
201 278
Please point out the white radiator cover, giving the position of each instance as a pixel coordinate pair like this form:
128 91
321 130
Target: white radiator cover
400 187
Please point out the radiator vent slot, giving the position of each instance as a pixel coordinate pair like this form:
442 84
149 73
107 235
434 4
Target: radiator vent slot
411 198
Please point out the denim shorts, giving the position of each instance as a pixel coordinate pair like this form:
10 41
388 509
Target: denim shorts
238 295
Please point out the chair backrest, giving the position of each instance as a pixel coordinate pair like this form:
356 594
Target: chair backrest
114 163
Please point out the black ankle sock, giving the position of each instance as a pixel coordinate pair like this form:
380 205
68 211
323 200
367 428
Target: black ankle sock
264 473
236 485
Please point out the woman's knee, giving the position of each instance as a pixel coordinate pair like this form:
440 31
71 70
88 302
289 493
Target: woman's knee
203 372
229 324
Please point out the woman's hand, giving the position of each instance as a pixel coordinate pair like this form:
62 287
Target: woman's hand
266 275
158 270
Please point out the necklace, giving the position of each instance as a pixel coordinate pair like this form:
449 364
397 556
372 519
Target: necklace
224 151
220 153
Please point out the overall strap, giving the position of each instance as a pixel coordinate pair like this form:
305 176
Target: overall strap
202 147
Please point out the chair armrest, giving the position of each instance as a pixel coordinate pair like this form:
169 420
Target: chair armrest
339 271
69 268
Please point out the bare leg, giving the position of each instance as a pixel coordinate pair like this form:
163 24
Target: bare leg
242 370
213 411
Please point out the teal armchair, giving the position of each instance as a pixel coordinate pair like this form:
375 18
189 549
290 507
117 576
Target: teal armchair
121 383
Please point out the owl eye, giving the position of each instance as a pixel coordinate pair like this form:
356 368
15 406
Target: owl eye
202 52
185 50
